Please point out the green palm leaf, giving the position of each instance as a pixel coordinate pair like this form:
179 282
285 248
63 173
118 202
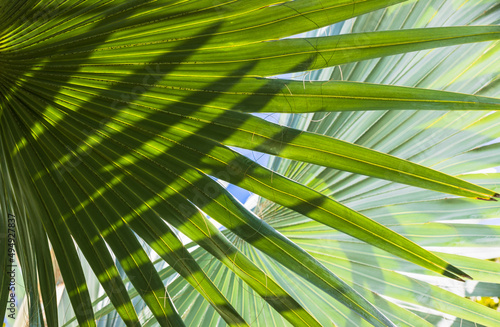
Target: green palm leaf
117 116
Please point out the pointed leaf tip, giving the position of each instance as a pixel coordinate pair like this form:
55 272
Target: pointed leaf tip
455 273
468 277
489 199
496 195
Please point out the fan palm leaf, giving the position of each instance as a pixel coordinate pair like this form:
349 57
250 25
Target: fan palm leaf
118 117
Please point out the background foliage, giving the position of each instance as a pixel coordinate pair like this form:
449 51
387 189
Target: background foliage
117 116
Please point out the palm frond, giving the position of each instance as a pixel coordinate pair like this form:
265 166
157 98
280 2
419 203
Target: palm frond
118 118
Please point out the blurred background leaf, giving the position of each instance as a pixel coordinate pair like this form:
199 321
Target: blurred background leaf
116 117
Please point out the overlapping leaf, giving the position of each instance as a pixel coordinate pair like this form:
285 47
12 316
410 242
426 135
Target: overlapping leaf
116 116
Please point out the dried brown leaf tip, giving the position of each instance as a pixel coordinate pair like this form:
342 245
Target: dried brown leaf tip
489 199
